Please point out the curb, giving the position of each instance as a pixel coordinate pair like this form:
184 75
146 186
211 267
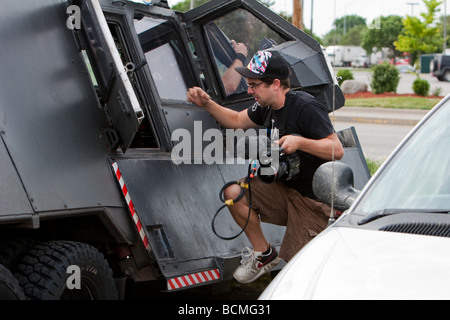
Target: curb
404 117
401 122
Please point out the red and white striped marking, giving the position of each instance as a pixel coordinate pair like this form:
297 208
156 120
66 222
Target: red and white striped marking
193 279
130 204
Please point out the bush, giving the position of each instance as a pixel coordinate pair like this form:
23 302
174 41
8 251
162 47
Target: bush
385 78
437 92
421 87
344 74
373 165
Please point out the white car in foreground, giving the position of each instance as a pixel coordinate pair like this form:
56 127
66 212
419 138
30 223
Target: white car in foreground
393 242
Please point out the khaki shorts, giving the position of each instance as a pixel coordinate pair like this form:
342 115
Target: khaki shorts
303 217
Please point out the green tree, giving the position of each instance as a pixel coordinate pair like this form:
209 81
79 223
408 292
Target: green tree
421 35
347 31
354 36
186 5
383 35
346 23
441 28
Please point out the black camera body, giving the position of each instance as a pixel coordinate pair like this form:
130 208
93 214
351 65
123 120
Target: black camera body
286 168
274 163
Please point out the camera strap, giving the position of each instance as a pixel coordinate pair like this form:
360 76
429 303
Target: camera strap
284 115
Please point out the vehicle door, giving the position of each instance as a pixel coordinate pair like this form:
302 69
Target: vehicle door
215 24
110 75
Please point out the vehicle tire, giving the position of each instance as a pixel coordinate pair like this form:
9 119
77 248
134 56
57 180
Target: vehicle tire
13 249
44 275
447 76
9 286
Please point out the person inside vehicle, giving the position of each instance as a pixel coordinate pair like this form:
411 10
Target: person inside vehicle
231 79
307 131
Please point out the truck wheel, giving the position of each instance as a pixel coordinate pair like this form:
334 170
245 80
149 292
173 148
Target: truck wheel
9 286
66 270
447 76
13 249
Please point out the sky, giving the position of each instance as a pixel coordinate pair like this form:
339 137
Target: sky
325 11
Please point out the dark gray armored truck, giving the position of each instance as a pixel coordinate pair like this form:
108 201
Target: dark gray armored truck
91 93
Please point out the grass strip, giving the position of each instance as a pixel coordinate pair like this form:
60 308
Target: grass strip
394 102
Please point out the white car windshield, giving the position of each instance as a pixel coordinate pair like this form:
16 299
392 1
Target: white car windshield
418 177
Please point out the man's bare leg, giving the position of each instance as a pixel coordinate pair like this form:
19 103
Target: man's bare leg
239 211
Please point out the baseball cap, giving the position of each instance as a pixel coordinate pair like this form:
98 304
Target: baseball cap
265 64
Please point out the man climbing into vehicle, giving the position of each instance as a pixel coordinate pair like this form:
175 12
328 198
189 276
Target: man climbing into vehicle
305 129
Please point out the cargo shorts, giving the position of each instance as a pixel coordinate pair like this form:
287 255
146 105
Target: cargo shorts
303 217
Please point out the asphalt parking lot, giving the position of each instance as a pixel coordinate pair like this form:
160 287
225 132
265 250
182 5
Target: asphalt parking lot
406 81
381 130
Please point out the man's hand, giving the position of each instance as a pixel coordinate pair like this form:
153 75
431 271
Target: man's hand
290 144
199 97
239 47
329 148
228 118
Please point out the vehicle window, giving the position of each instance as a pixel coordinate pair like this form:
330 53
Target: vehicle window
419 175
166 72
165 57
242 27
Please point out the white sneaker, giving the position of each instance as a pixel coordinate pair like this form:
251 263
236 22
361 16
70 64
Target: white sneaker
255 264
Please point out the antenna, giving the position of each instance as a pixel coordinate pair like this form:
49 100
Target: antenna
332 216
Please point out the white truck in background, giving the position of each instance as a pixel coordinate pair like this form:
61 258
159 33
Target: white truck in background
354 56
343 56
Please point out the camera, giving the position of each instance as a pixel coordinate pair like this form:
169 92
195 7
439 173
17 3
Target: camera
281 167
274 163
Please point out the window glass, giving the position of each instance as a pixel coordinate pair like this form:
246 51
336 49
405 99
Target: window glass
245 29
419 175
166 73
165 57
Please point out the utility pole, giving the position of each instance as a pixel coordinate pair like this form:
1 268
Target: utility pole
297 15
412 4
192 4
445 25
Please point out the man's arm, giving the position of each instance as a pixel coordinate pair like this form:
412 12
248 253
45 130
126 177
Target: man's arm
231 78
322 148
228 118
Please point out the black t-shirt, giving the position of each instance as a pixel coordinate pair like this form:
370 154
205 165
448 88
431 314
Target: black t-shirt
307 118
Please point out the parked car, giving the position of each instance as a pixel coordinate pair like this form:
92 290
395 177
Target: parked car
440 67
405 68
392 242
361 62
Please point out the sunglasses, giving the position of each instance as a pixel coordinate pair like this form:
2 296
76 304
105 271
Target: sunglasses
253 86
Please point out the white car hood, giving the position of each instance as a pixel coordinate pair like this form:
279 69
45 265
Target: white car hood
349 263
